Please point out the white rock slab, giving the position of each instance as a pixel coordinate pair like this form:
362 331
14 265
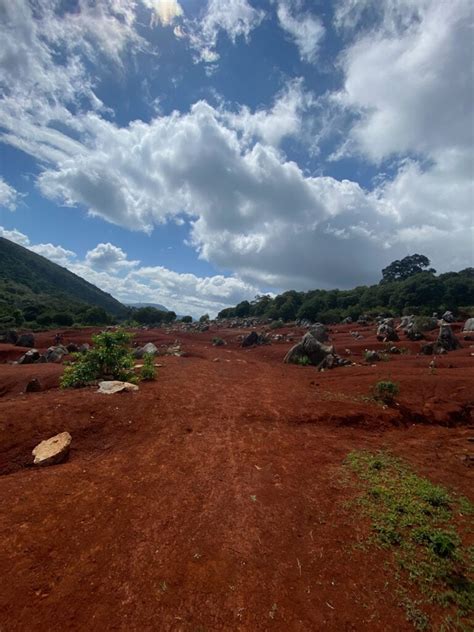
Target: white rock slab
109 387
53 450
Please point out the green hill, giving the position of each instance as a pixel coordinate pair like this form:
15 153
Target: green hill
40 289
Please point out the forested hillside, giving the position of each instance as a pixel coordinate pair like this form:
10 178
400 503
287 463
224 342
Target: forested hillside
408 286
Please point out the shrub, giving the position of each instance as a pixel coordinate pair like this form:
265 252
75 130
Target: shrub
148 371
187 319
276 324
218 342
109 358
386 391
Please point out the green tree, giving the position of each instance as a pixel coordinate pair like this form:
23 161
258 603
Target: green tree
408 266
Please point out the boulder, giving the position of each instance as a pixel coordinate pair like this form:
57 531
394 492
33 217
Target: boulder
53 450
72 348
386 331
432 348
412 332
372 356
468 330
447 339
9 337
253 338
33 386
347 320
448 317
311 351
109 387
30 357
320 332
149 347
84 347
55 353
25 340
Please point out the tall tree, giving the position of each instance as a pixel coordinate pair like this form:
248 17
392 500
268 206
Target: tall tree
402 269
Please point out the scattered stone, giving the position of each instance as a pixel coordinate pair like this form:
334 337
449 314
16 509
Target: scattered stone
109 387
447 339
149 347
53 450
55 353
25 340
33 386
468 329
30 357
372 356
386 331
448 317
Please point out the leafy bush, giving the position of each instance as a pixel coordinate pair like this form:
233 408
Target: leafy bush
110 358
218 342
148 371
386 391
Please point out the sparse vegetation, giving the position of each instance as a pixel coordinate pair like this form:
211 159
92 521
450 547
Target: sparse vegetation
109 358
148 370
276 324
218 342
414 518
386 391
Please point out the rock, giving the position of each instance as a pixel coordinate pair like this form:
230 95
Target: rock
386 331
84 348
149 347
30 357
347 321
447 339
109 387
25 340
72 348
432 348
53 450
394 350
253 338
448 317
33 386
372 356
412 332
9 337
55 353
469 325
320 332
311 351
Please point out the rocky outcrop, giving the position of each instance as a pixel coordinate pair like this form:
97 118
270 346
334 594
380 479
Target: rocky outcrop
55 353
312 351
148 348
386 331
253 338
30 357
447 339
320 332
53 450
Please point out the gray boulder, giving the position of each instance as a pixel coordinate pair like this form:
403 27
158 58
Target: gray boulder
372 356
55 353
25 340
446 338
320 332
30 357
149 347
386 331
448 317
468 330
312 351
253 338
84 347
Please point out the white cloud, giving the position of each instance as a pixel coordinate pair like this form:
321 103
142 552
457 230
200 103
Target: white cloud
58 254
8 195
305 29
108 257
235 18
164 12
14 235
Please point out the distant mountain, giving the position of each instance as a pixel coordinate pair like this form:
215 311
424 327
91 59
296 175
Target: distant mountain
155 305
28 279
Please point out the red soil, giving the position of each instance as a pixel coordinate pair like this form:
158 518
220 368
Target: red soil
214 497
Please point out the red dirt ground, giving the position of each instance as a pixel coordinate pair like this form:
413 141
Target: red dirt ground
214 498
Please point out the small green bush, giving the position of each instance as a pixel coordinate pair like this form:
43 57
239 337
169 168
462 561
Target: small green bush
218 342
148 370
110 358
386 391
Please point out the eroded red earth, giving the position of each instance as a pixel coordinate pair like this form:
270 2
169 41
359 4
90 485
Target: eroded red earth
214 498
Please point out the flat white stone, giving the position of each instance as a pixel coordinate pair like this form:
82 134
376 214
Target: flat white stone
52 450
109 387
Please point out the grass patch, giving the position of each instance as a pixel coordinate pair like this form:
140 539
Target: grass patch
415 519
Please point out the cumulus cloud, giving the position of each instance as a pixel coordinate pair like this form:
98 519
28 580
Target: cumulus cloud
108 257
14 235
58 254
304 29
8 195
164 12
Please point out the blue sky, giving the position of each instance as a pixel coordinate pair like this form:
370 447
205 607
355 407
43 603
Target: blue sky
199 152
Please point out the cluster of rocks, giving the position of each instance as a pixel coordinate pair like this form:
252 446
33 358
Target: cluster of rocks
311 350
386 331
20 340
445 342
53 354
253 339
